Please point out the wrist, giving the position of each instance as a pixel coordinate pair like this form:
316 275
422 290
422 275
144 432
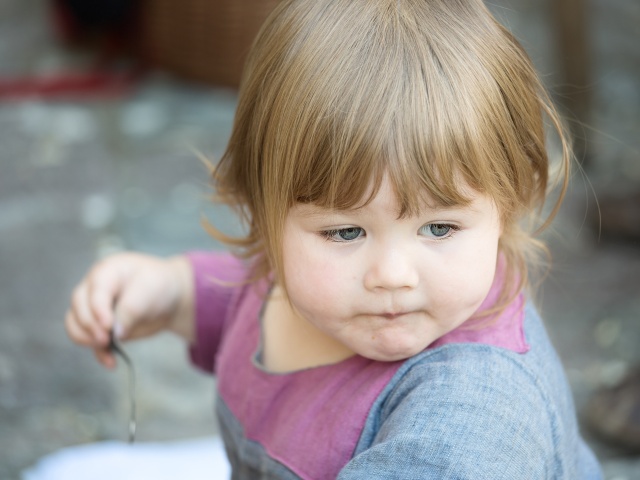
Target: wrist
182 322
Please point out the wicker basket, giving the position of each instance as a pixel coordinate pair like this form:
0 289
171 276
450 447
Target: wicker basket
205 40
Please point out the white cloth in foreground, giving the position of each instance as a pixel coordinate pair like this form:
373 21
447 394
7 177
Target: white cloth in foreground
188 459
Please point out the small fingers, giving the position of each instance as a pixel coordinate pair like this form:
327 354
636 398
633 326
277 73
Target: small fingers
85 337
105 357
91 314
76 332
105 284
82 320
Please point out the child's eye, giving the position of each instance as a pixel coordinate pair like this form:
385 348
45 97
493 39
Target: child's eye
343 234
438 230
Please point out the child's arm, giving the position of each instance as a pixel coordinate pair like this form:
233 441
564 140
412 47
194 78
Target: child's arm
476 413
137 296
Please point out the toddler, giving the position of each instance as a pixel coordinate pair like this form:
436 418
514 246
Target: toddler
373 322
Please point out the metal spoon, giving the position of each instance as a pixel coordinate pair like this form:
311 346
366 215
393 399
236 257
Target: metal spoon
116 348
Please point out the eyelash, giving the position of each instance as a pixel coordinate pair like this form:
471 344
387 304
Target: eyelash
330 235
453 229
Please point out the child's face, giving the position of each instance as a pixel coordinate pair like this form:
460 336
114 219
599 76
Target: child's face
384 287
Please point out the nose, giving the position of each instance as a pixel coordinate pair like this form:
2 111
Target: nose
392 268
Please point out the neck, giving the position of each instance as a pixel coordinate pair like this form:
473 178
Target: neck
291 342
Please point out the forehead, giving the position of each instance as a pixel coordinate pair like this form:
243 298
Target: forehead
384 199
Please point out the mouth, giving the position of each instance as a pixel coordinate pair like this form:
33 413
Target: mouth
392 316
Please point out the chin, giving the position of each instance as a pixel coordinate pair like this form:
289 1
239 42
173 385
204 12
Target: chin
393 355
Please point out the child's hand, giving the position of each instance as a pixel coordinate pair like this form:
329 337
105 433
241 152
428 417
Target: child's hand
136 295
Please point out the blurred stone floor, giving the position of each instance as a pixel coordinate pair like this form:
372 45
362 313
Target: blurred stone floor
82 179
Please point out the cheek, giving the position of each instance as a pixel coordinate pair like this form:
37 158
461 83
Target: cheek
469 277
483 268
313 283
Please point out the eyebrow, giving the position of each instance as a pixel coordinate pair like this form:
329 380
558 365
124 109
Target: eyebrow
314 211
469 206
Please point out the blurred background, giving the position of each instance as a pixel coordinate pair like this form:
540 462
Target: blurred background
102 109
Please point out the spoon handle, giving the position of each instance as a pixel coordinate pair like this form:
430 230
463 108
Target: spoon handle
116 348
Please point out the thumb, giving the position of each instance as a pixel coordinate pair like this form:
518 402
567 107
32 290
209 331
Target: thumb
124 319
118 329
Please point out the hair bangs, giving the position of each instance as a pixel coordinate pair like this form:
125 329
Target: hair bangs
386 108
398 105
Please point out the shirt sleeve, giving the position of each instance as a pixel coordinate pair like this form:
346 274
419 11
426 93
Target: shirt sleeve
216 276
486 420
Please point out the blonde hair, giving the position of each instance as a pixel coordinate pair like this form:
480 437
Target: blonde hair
338 93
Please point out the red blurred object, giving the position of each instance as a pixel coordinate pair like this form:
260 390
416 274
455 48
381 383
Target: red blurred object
92 84
108 29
